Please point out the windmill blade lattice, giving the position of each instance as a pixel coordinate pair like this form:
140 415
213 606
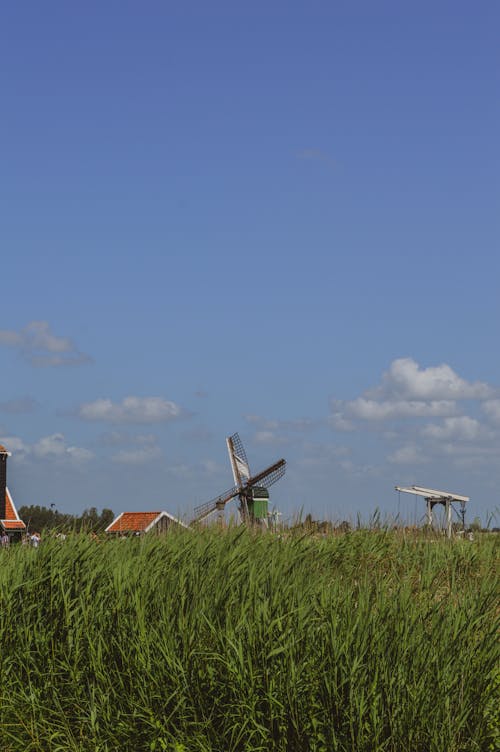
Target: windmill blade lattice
238 458
269 476
239 448
204 510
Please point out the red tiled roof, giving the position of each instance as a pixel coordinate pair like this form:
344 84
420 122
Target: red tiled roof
9 508
11 521
132 522
13 524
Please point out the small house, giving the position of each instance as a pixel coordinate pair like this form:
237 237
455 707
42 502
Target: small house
137 523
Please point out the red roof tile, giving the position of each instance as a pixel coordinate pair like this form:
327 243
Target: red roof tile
132 522
11 521
13 524
10 514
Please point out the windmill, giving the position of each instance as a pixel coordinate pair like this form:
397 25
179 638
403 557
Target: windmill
251 490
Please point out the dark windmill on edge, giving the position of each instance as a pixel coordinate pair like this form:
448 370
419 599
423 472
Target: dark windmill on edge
251 490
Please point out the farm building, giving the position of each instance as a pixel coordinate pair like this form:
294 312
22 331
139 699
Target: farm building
10 522
136 523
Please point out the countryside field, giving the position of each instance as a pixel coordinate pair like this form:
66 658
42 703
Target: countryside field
369 641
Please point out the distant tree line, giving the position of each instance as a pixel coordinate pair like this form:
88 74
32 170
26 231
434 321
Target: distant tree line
36 517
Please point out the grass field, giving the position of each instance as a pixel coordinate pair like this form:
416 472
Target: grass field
367 642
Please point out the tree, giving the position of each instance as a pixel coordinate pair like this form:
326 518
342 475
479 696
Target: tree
107 517
39 518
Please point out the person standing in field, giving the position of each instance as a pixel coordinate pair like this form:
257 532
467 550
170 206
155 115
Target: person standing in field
35 540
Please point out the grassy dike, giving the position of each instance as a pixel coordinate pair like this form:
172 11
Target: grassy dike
222 641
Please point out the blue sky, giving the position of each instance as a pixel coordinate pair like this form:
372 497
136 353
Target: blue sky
273 218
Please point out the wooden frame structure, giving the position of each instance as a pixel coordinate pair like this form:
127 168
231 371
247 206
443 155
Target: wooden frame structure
433 497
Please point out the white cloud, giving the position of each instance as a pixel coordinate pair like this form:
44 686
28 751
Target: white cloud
269 437
125 439
470 455
370 409
50 446
16 446
56 447
469 450
79 454
407 455
460 428
407 391
37 336
53 447
407 380
131 410
40 347
138 456
211 468
275 432
140 450
269 424
491 409
339 422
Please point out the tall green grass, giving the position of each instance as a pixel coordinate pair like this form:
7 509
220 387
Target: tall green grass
227 641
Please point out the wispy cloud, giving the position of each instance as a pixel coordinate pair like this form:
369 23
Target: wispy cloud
140 450
325 459
270 424
270 437
407 394
39 347
16 446
407 380
55 446
131 410
408 455
48 448
124 439
271 431
409 391
491 408
370 409
461 428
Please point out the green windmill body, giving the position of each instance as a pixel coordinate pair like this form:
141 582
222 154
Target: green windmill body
258 504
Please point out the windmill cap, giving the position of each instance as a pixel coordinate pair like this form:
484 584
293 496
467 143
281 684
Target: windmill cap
3 449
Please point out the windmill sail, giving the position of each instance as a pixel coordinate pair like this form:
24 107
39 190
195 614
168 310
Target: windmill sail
218 503
238 458
269 476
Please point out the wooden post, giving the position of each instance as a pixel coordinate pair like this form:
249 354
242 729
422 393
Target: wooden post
429 512
448 517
